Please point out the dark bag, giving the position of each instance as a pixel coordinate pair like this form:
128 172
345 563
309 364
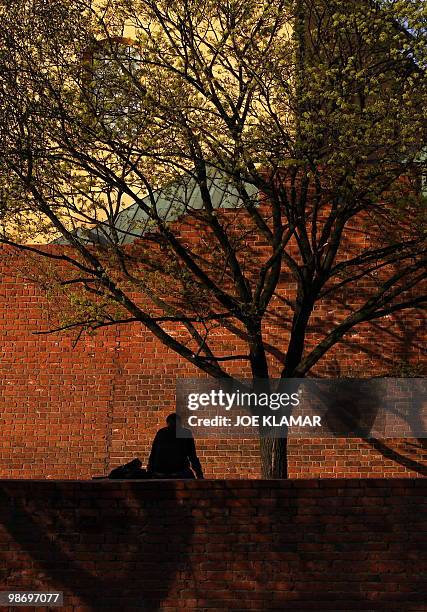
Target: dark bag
131 470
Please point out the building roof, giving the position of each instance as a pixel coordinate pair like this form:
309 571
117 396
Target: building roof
172 201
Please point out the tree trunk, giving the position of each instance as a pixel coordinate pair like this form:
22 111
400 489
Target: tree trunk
274 460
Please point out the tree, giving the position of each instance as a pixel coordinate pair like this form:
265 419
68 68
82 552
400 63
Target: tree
306 115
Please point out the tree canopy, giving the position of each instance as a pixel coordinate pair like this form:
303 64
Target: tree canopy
310 113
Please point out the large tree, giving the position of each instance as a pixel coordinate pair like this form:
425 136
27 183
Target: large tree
306 116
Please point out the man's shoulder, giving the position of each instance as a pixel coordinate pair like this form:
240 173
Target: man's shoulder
163 432
171 433
185 433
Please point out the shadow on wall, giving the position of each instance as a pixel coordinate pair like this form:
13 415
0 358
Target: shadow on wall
402 453
104 548
229 545
360 416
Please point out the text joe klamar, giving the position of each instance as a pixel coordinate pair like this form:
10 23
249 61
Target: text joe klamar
255 421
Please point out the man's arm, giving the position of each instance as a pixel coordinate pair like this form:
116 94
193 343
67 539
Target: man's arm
194 460
153 453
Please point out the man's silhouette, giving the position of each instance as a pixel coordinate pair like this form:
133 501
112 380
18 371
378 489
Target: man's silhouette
171 455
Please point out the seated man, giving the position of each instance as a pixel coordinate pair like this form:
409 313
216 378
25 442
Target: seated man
171 456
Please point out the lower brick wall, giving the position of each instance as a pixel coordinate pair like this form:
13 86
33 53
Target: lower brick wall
218 545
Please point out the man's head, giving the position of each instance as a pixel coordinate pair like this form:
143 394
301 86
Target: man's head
173 420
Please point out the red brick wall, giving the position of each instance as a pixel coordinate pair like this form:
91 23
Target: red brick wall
218 545
76 412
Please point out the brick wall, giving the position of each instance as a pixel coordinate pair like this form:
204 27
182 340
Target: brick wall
74 412
218 545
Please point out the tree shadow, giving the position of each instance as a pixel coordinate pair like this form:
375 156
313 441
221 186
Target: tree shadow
398 456
107 545
352 408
